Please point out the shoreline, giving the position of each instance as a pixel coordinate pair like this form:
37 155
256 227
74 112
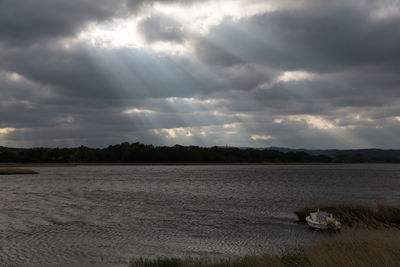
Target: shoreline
8 165
16 171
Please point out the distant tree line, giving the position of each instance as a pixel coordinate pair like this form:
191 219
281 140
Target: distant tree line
360 158
140 153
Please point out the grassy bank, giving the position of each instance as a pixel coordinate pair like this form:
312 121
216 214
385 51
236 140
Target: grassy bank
388 216
16 171
367 248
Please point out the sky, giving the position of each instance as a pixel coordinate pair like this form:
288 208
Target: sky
247 73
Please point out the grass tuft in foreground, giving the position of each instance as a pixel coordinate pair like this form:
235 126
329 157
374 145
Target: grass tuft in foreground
368 248
358 215
16 171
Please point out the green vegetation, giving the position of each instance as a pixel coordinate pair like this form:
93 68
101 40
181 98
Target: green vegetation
16 171
359 215
373 248
140 153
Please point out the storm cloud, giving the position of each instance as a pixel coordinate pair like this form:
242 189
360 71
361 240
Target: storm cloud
243 73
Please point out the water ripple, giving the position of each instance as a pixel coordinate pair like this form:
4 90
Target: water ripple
104 215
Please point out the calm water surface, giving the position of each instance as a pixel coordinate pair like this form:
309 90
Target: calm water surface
105 215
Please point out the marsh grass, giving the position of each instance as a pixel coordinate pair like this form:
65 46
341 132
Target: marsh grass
296 259
363 248
383 215
355 248
4 171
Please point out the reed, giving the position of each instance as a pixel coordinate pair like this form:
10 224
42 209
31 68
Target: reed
380 248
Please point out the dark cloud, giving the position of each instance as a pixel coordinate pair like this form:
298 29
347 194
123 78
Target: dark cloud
101 76
321 38
214 54
229 90
24 22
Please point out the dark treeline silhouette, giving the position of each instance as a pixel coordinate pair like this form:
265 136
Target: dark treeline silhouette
140 153
351 155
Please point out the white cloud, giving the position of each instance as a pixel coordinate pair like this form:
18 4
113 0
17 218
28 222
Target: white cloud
192 100
230 126
174 133
256 137
201 16
6 130
289 76
313 121
138 111
384 9
195 19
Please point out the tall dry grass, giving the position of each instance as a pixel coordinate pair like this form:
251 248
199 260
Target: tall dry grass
361 248
265 260
352 248
253 261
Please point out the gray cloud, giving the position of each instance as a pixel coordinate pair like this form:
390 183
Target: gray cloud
102 76
24 22
227 91
137 4
320 38
215 55
161 28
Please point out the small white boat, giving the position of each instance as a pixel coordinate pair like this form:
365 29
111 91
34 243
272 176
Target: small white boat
321 220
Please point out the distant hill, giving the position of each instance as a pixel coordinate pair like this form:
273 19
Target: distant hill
369 154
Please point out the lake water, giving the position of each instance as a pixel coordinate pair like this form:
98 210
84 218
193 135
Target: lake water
105 215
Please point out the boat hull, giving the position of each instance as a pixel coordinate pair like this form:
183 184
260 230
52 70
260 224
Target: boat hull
316 225
322 226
